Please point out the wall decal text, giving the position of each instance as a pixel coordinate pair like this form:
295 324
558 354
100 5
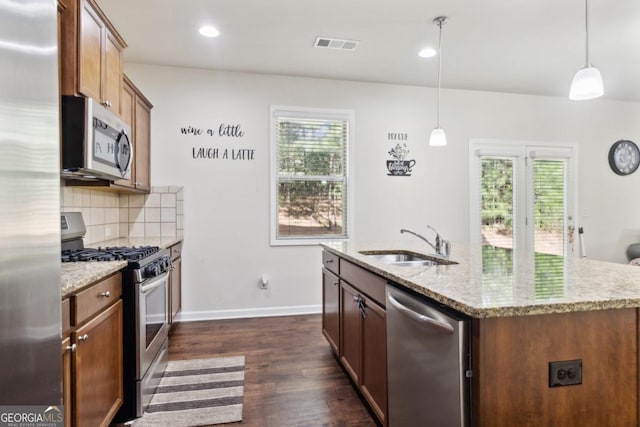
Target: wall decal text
231 131
395 136
224 130
224 153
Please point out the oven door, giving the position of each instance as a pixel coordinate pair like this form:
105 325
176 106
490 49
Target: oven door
152 321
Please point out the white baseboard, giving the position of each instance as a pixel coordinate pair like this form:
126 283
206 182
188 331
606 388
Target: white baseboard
194 316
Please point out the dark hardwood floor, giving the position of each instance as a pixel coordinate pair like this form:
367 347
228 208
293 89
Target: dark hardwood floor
291 375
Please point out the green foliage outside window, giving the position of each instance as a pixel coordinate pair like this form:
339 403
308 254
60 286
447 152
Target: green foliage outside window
311 177
497 193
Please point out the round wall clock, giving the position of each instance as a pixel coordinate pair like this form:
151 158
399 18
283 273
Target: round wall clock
624 157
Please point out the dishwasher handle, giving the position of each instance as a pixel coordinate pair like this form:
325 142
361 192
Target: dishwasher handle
445 328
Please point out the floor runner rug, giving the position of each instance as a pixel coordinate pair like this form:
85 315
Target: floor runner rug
198 392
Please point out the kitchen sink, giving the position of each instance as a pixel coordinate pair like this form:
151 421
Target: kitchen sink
404 258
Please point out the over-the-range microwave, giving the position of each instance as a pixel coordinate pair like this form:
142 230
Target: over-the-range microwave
96 143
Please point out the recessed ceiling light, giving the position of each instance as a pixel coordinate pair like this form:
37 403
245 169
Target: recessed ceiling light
209 31
427 52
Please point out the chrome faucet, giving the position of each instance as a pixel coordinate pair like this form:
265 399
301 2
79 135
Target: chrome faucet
442 246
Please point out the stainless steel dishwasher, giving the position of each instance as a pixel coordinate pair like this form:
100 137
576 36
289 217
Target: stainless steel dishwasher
427 363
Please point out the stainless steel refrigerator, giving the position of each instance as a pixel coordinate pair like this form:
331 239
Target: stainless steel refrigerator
30 325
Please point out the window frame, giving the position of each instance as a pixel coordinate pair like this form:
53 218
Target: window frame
522 152
278 111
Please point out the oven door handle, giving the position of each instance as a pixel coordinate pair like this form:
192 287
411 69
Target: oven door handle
158 281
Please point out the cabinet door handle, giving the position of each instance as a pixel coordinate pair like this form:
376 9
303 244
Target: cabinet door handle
84 337
172 268
72 347
336 283
105 294
329 261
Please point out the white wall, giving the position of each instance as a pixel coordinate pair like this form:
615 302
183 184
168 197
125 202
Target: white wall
227 202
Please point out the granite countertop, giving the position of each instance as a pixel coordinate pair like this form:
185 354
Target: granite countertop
78 275
492 282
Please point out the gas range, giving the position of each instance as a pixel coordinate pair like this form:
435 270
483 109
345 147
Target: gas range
143 261
145 310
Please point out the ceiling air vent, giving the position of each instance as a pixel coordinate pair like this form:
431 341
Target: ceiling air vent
331 43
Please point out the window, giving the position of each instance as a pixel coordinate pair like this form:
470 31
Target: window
310 191
522 196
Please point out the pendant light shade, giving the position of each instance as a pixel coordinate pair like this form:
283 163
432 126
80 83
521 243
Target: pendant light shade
438 137
587 83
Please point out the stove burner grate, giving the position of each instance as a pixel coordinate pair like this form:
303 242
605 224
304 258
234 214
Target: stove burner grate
109 253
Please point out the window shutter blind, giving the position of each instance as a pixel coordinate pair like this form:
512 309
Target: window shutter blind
549 206
311 177
312 148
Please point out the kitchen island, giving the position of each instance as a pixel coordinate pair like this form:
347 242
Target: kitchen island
525 312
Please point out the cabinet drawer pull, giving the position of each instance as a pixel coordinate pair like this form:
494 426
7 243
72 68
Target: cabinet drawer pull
329 261
105 294
336 283
172 268
72 347
84 337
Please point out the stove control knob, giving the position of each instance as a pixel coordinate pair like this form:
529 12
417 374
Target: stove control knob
151 270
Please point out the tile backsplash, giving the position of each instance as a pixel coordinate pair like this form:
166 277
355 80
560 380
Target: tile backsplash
158 214
109 215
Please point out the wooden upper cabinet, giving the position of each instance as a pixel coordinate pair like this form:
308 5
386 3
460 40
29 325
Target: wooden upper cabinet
142 140
112 81
136 111
127 99
90 46
126 102
91 54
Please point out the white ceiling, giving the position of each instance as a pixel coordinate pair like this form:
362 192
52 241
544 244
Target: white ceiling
518 46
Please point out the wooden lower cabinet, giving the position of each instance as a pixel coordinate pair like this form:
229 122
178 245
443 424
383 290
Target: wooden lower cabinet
92 354
373 382
175 282
511 369
331 308
363 346
67 355
351 328
97 367
354 323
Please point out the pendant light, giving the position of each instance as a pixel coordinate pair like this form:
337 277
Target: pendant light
438 137
587 83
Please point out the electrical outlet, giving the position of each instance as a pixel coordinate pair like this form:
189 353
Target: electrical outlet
566 372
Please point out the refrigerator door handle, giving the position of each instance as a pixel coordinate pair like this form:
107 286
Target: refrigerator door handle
442 327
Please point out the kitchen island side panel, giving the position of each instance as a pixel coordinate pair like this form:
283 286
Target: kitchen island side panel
511 369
